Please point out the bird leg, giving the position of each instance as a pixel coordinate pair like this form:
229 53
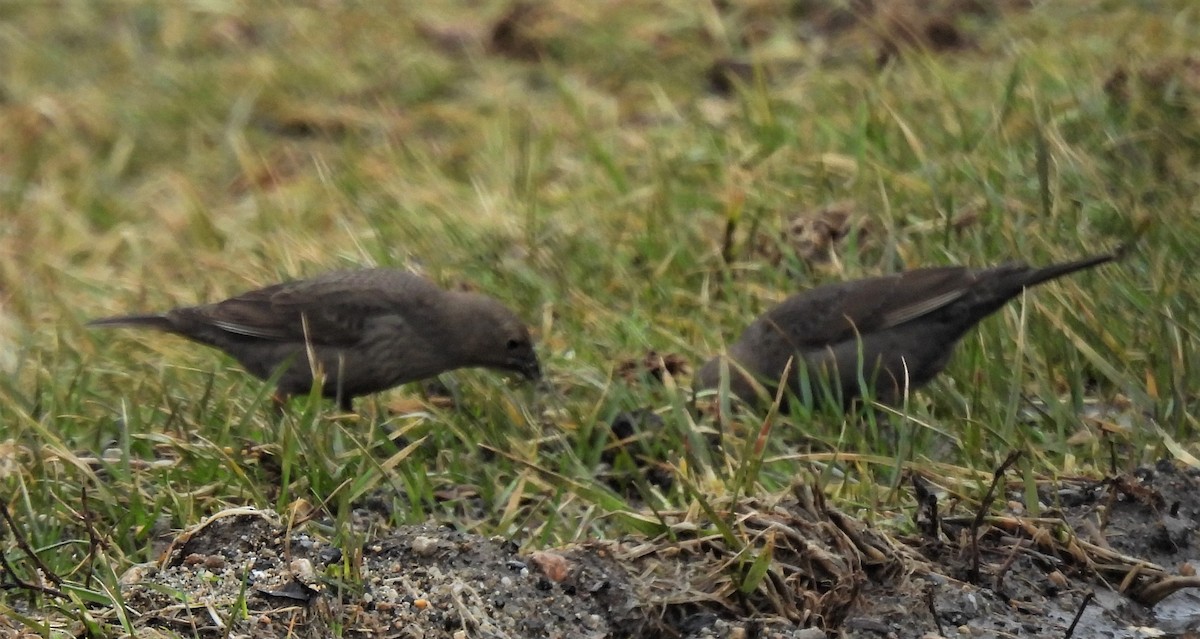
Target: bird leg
279 400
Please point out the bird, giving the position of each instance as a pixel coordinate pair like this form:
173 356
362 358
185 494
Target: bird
879 336
358 331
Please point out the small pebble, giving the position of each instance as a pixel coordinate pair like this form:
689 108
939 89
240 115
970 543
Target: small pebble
424 546
303 570
137 572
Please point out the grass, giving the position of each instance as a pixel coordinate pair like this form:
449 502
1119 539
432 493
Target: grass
161 154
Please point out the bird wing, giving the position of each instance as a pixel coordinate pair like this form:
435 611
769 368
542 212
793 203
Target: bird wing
834 313
330 310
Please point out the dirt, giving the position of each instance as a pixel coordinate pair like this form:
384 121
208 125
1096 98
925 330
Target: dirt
1117 553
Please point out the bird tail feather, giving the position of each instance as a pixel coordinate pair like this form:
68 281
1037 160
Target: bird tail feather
156 321
1054 271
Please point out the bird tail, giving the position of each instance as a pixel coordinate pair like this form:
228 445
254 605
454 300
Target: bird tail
155 321
1036 276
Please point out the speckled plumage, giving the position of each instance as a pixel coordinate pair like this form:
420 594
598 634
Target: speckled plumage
902 328
366 330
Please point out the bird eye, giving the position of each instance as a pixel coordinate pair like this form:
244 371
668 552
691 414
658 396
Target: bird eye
513 344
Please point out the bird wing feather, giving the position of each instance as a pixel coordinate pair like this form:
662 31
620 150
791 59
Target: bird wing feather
328 310
838 312
921 307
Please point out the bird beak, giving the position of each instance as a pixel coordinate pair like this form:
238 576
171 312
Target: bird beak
531 369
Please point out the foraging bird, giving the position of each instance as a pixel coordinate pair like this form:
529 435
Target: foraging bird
897 330
364 331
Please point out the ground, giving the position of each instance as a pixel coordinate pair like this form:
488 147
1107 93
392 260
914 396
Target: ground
1111 558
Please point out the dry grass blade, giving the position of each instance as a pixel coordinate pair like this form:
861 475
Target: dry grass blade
821 560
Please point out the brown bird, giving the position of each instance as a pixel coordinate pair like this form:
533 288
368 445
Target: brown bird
364 330
898 331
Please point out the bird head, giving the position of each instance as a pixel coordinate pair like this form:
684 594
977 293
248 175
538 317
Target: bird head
498 338
521 358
